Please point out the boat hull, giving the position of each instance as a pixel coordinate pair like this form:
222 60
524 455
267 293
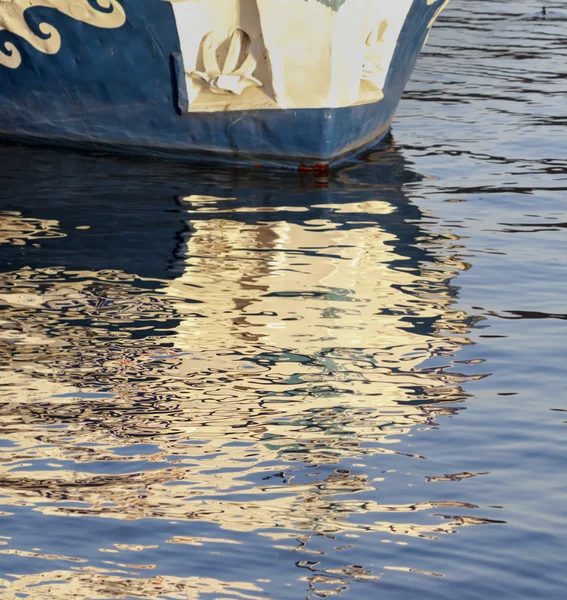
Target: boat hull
125 88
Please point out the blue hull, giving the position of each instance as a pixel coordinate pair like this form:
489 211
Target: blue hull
118 90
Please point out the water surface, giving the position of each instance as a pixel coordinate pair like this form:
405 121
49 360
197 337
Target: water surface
225 384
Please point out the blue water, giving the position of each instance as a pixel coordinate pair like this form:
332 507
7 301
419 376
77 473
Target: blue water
225 384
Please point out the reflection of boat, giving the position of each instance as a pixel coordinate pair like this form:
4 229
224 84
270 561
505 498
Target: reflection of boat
298 82
64 193
240 284
281 336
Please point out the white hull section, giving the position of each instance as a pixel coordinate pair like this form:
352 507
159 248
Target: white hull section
292 54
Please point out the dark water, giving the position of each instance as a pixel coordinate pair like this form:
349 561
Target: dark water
219 384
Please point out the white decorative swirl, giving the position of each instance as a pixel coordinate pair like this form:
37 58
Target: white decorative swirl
12 19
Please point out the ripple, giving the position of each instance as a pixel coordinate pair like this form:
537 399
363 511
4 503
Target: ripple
225 383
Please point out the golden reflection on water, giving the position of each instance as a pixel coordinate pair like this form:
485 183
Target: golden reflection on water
123 583
262 379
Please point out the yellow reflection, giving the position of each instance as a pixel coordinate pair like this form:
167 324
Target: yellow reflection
282 349
88 583
15 229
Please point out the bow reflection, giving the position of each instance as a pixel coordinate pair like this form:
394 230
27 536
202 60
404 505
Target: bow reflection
223 348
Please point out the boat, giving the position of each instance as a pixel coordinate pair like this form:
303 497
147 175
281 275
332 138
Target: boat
304 84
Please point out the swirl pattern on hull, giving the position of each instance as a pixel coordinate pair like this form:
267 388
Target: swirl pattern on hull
13 19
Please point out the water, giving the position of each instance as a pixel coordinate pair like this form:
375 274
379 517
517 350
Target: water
219 384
